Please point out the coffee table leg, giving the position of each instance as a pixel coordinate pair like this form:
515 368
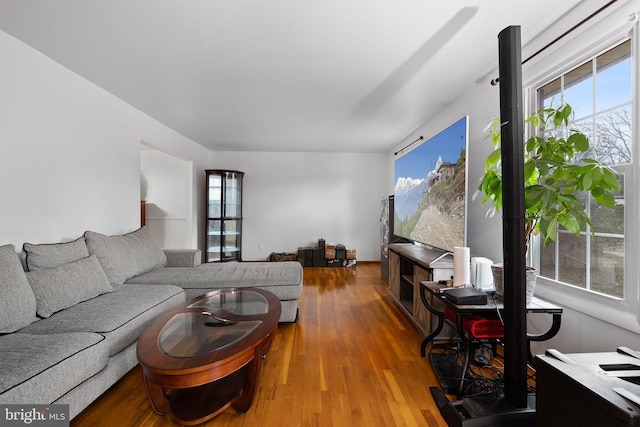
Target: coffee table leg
156 397
244 402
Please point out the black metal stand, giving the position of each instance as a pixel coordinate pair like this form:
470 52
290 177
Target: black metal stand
484 411
516 407
513 221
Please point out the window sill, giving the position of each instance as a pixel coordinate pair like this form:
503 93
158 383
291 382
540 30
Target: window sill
616 312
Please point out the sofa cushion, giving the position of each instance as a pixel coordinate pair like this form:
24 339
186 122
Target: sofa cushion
284 279
38 369
183 257
51 255
125 256
120 316
17 301
68 284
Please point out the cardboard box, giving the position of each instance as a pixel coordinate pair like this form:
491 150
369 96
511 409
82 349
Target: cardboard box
330 252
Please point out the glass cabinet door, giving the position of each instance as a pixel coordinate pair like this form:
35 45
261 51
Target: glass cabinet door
224 216
215 196
233 195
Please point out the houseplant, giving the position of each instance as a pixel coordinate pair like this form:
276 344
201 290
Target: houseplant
557 175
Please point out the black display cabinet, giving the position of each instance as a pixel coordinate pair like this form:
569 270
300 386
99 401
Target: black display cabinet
224 216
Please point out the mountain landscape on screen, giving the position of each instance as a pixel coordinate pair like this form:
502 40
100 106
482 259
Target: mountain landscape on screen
430 190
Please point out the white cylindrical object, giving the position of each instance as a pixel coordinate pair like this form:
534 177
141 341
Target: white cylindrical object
461 266
481 276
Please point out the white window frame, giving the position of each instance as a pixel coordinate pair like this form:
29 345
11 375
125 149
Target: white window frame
625 312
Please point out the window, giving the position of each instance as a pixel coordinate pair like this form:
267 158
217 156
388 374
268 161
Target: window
600 91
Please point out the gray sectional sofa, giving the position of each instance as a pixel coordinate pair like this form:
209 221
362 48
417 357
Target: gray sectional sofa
71 313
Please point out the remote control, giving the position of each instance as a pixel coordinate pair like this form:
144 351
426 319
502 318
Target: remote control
560 356
211 320
629 352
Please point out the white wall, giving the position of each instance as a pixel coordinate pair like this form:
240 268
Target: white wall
70 152
293 199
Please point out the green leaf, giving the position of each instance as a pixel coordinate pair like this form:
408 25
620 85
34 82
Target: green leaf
597 192
591 179
495 138
533 143
493 159
529 169
549 232
609 201
569 222
579 141
557 119
610 180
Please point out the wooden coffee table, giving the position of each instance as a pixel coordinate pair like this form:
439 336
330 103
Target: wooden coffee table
203 356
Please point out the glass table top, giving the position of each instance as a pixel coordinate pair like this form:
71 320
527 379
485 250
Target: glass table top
213 325
236 301
195 334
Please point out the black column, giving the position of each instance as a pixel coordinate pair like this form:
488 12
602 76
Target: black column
513 241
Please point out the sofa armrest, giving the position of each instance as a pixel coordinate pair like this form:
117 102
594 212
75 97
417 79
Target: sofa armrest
183 257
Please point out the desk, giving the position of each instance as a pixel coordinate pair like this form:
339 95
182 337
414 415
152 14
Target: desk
536 305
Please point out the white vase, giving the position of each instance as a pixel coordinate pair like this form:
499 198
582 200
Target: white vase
498 280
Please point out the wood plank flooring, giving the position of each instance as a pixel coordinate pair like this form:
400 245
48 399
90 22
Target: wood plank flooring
351 359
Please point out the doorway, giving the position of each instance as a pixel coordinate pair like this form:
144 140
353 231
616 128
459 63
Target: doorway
166 187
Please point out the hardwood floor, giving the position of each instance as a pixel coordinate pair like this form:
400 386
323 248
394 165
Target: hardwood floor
351 359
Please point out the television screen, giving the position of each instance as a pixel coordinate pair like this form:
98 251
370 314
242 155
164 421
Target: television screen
430 190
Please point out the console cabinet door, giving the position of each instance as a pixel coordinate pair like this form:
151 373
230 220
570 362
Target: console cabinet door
394 275
420 313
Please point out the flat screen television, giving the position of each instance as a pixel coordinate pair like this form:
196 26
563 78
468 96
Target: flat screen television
430 190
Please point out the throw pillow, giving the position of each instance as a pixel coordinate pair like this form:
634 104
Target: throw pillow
125 256
68 284
55 254
17 301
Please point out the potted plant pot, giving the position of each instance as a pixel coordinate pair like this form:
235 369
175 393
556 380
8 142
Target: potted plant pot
498 280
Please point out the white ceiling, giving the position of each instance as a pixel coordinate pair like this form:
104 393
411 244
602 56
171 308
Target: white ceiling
282 75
